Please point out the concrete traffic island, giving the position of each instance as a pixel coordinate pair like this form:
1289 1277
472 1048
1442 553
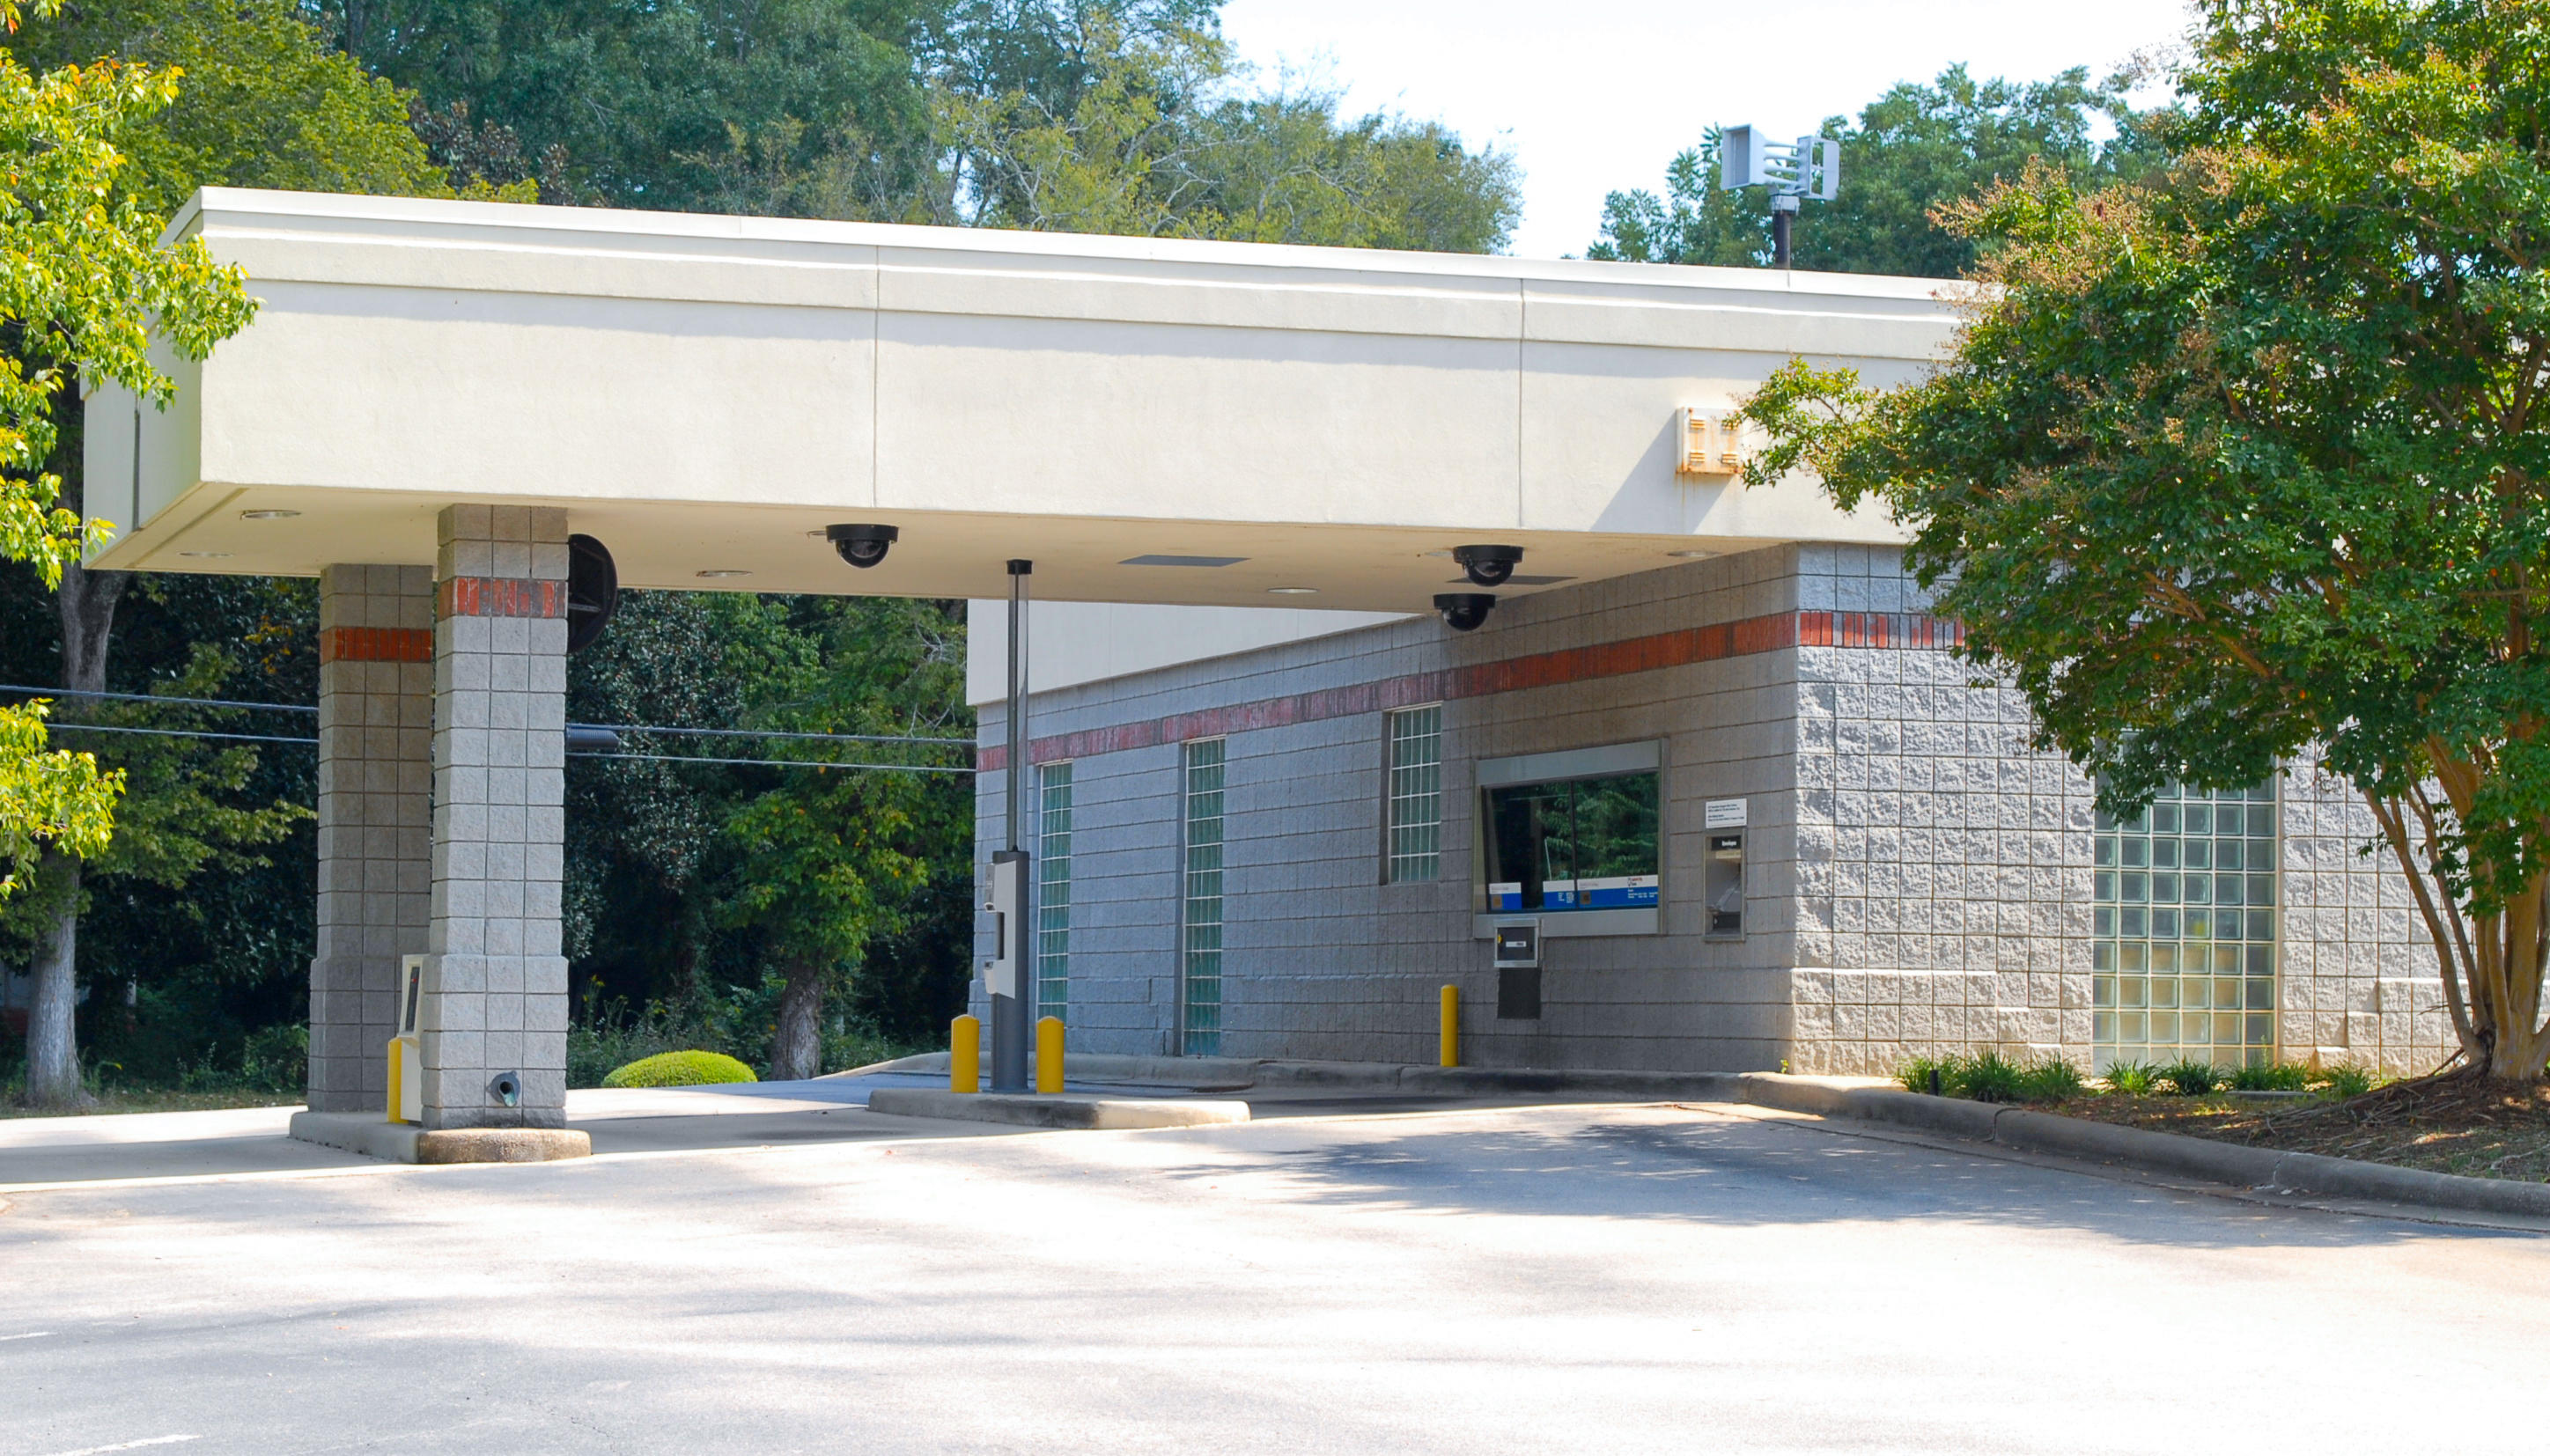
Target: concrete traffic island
1055 1110
404 1143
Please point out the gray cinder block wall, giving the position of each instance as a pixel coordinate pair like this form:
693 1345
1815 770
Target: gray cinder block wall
375 761
1917 880
495 979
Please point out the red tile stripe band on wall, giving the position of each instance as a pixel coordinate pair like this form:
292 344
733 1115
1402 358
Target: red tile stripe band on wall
1745 639
501 596
377 644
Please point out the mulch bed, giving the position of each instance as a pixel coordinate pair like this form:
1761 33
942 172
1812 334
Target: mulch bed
2455 1122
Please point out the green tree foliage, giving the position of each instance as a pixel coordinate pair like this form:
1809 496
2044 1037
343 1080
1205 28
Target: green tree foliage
831 860
85 286
47 797
251 97
1914 147
2251 462
808 107
262 103
698 888
1160 140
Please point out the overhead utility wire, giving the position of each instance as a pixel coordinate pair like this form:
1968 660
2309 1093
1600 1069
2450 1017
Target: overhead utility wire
779 762
639 728
155 698
623 727
101 727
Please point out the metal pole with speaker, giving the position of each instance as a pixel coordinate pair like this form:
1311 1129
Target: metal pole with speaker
1013 886
1809 166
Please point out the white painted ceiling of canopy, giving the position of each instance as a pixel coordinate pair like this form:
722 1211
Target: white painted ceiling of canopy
705 394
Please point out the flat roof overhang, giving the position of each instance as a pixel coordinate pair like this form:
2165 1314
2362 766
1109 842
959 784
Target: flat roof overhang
706 393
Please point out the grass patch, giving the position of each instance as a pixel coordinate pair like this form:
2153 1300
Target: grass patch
143 1099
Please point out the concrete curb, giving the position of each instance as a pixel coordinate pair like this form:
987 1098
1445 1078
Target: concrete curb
1061 1110
1865 1099
401 1142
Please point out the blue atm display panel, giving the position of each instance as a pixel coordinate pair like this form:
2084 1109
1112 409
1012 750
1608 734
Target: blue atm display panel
1588 843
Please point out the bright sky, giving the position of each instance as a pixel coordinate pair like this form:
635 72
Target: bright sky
1600 94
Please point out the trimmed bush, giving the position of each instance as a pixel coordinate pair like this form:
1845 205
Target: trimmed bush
680 1069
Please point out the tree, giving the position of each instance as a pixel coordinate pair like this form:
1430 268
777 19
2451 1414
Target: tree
833 860
1915 146
263 104
85 287
2251 461
1158 141
804 107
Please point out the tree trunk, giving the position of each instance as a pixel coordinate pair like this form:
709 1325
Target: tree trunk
2491 964
52 1039
86 604
797 1044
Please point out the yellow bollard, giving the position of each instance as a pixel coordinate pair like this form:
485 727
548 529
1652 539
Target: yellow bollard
398 1077
1451 1032
1049 1054
965 1056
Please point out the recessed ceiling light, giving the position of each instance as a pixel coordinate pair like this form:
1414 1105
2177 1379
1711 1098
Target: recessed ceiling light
1156 559
1693 555
1292 591
723 571
267 515
208 555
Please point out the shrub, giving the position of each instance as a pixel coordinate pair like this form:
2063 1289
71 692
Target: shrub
2272 1077
680 1069
2051 1080
2133 1079
1916 1074
1987 1078
2189 1077
2346 1079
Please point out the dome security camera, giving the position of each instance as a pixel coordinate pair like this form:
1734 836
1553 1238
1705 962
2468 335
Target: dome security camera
1464 611
1487 565
863 547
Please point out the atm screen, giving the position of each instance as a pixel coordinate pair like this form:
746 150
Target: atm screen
1573 844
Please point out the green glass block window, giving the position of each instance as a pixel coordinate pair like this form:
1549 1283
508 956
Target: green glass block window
1416 795
2182 956
1200 994
1053 891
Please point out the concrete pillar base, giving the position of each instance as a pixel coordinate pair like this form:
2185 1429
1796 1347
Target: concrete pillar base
402 1142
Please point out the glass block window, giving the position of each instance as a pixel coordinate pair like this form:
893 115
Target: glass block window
1200 993
1053 891
1416 795
2183 963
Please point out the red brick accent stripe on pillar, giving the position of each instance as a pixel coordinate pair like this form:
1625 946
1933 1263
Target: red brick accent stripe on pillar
377 644
499 595
1754 634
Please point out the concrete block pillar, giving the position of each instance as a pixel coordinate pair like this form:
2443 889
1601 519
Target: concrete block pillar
495 998
376 762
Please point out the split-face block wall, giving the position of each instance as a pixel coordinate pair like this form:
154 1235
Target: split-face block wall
442 715
1917 878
